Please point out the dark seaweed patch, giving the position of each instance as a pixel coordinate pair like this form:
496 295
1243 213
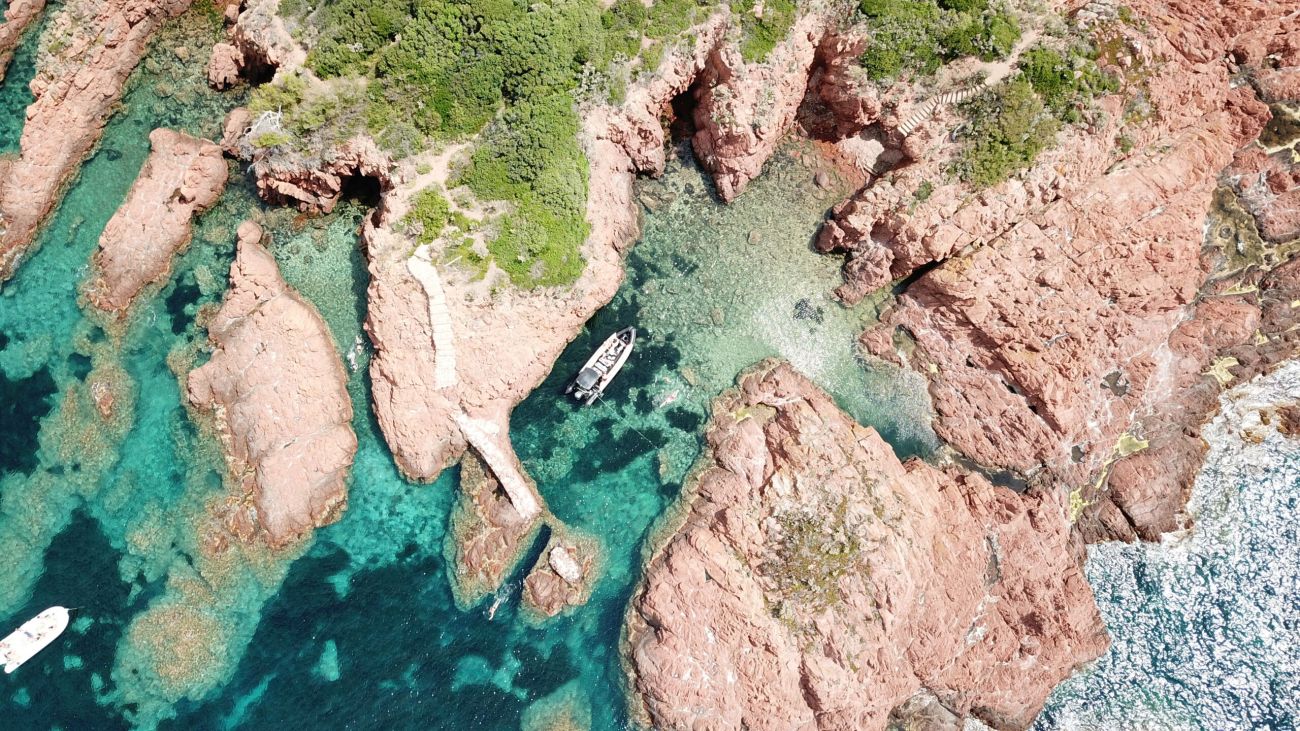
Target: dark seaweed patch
23 402
684 419
182 297
79 366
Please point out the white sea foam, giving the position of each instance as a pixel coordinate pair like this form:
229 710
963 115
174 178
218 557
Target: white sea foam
1206 626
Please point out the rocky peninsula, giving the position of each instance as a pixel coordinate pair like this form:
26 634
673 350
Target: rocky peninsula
182 177
278 394
811 580
88 51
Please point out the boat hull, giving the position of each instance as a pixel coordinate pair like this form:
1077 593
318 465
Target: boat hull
35 635
600 369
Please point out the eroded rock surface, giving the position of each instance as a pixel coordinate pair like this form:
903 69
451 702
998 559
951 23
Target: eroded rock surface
486 533
815 581
278 393
17 17
563 575
1072 315
182 177
78 81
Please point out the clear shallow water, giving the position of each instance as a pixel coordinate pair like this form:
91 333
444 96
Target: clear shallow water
361 630
1206 629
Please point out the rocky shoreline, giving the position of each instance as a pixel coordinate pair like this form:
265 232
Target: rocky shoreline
817 582
278 393
88 51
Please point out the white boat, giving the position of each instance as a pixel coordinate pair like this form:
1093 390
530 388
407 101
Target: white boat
602 366
35 635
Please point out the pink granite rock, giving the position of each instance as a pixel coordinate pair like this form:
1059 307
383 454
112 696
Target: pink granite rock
75 90
278 393
17 16
182 177
815 581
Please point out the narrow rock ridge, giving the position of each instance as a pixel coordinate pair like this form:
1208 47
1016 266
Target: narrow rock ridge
486 535
1072 314
78 81
182 177
811 580
18 16
278 393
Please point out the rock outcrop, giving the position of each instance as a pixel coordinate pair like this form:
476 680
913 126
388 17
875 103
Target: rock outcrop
744 110
182 177
258 46
278 393
91 48
814 581
1071 315
563 576
17 17
485 535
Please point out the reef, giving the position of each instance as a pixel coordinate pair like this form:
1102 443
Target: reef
182 177
88 51
811 580
278 392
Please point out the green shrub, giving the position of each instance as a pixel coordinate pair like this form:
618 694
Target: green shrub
904 37
271 139
530 156
965 6
760 35
920 35
429 215
353 31
923 191
1065 81
283 94
1007 128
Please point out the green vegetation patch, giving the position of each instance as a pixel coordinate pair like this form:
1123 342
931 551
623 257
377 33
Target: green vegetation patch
919 36
815 552
429 215
764 29
1008 126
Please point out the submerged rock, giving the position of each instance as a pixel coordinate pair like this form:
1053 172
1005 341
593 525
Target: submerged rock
182 177
278 392
814 581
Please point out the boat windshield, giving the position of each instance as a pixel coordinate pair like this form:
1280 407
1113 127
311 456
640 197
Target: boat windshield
587 378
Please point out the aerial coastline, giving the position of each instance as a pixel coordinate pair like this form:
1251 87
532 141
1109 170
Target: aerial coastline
1032 246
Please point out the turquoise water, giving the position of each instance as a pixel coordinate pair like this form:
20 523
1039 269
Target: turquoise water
108 515
359 629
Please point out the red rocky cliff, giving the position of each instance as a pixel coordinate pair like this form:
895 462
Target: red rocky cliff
182 177
816 582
